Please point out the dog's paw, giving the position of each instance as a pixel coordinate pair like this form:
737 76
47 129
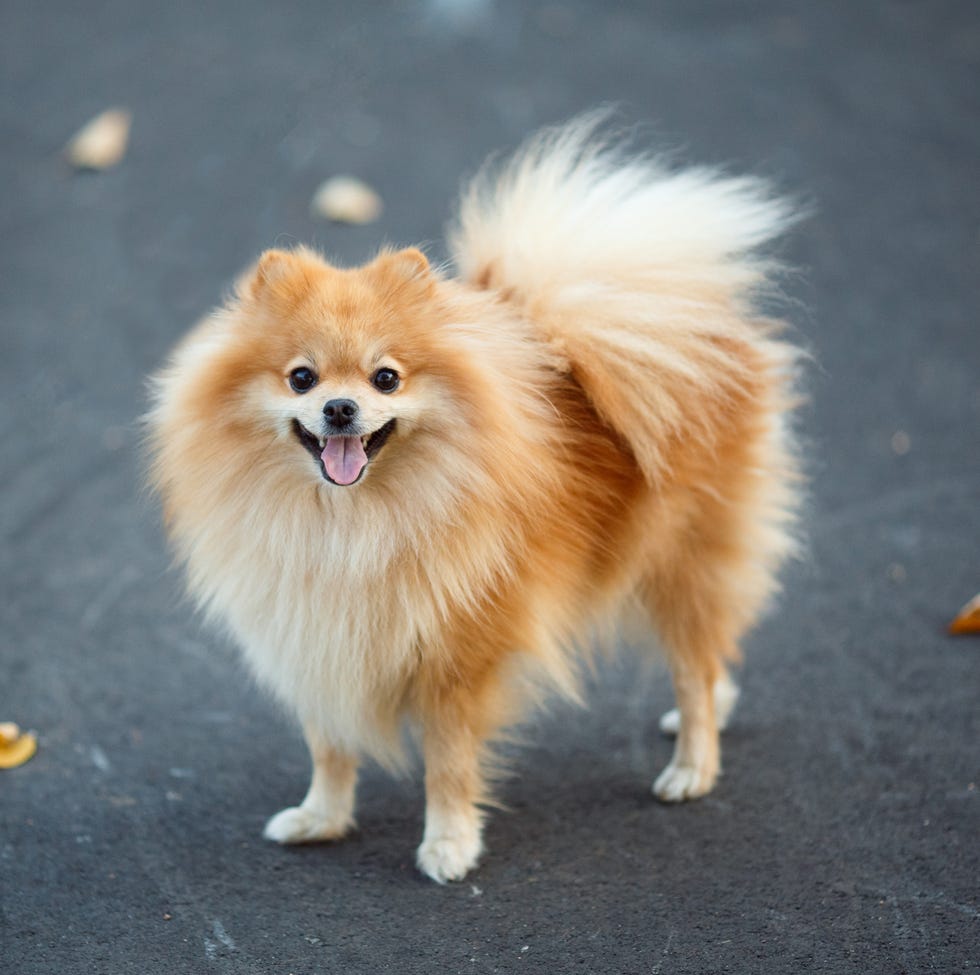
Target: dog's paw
449 857
679 782
670 722
300 824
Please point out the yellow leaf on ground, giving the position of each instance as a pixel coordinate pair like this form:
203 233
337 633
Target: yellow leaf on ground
968 618
16 747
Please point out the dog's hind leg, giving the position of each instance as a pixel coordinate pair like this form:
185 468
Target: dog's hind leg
688 607
327 812
696 762
725 693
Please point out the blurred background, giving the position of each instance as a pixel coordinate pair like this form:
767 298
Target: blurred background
844 832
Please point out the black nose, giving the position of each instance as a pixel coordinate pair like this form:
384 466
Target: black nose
340 413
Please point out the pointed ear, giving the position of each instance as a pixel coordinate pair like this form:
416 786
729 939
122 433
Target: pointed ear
409 264
273 266
282 275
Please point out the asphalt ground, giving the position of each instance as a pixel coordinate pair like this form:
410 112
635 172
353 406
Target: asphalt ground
844 834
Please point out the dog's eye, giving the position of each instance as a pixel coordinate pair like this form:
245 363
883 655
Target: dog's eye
386 380
302 380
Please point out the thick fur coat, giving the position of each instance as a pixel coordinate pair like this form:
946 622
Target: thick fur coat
410 494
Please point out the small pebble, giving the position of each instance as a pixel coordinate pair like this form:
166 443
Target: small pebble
901 443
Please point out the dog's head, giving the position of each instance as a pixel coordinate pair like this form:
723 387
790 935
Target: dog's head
347 350
328 367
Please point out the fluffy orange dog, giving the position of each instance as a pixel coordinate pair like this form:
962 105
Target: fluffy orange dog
408 493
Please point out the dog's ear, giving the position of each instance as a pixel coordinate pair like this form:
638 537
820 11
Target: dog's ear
405 266
273 266
410 262
278 273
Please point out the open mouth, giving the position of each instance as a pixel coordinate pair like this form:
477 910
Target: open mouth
343 460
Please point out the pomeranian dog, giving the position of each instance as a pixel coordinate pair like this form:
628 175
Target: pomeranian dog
412 495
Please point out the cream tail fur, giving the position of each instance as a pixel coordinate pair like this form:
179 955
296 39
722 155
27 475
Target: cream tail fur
634 271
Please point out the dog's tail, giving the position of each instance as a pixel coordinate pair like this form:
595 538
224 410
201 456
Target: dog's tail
645 280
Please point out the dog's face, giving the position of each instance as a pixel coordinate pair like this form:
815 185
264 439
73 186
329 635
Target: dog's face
341 366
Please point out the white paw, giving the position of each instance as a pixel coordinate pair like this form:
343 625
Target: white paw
670 722
300 824
679 782
449 857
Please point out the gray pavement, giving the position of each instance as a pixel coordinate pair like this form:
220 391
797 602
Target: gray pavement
844 834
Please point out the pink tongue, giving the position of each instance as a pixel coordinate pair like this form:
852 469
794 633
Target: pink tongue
344 459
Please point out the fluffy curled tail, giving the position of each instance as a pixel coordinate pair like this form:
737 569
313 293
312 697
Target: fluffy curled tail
646 280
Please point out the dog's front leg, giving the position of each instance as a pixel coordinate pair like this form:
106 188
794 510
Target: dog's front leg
327 812
453 841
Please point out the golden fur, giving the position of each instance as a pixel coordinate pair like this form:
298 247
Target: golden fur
590 414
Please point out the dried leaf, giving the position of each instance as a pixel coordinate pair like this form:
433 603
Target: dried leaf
102 142
346 199
968 618
16 747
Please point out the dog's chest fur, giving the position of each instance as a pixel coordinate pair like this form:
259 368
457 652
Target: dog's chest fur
327 617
